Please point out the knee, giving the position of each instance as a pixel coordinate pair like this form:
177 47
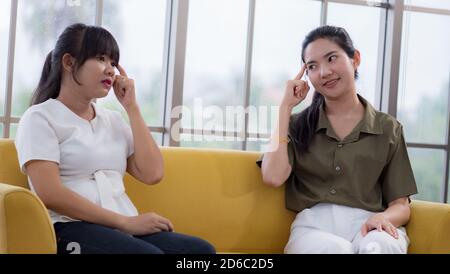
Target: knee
329 246
337 246
200 246
377 242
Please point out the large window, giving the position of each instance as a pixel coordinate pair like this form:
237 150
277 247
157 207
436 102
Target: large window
4 31
141 42
276 58
366 38
39 23
424 78
423 97
227 63
438 4
429 171
215 63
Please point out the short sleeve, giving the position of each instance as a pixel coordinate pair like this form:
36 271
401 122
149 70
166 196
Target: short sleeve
36 139
398 178
126 130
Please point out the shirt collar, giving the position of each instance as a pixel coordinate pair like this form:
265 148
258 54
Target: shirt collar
369 124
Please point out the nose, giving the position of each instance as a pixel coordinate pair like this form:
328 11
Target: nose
109 70
325 71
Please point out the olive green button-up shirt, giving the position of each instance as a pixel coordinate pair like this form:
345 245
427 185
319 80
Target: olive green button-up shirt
368 169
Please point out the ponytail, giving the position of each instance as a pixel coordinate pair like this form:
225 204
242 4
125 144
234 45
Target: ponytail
303 125
50 81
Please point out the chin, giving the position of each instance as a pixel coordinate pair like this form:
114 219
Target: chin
101 95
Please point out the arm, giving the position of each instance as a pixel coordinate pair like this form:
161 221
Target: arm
397 214
146 164
48 187
55 196
275 166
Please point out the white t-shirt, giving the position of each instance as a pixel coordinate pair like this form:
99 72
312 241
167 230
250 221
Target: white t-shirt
92 155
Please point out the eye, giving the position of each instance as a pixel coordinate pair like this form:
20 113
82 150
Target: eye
101 58
114 64
332 58
311 67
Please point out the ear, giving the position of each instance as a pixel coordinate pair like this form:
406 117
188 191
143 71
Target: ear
356 59
68 62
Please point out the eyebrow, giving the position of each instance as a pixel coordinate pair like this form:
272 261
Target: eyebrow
325 56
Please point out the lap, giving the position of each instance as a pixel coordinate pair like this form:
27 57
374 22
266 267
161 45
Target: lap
84 237
177 243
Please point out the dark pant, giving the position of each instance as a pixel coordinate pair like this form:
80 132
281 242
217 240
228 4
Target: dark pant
88 238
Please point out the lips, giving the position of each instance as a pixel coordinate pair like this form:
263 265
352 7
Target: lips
107 83
331 83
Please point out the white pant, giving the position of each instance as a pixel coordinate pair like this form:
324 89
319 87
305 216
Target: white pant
331 229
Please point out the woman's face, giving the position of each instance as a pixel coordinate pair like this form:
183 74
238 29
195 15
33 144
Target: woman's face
329 68
97 76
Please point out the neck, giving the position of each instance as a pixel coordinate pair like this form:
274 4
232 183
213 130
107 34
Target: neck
344 105
79 105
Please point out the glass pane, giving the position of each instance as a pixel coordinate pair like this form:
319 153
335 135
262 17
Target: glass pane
215 57
437 4
39 23
448 187
141 42
254 144
1 130
428 167
13 130
424 78
4 33
366 38
277 54
209 141
157 137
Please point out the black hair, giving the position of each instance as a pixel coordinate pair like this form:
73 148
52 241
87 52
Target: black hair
303 125
81 42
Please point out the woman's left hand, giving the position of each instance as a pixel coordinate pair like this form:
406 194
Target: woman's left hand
380 223
124 89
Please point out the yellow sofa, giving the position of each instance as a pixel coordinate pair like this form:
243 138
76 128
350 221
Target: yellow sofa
214 194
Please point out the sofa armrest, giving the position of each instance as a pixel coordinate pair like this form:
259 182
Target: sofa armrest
25 226
429 227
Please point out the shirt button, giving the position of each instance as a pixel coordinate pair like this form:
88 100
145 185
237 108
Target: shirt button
338 168
333 191
340 145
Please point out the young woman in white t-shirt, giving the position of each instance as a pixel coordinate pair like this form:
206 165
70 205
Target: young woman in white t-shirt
75 153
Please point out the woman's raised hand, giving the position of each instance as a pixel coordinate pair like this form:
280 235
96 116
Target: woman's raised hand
296 90
124 88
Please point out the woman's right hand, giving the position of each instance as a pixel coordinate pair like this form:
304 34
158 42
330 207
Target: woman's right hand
296 90
146 223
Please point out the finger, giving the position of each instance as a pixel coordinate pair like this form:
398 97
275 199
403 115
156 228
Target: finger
364 230
170 226
300 74
385 226
156 229
166 222
121 70
163 226
394 229
379 227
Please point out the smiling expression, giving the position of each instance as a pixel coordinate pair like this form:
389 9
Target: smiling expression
330 69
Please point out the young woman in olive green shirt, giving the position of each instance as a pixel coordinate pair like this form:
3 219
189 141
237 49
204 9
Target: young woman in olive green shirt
345 165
